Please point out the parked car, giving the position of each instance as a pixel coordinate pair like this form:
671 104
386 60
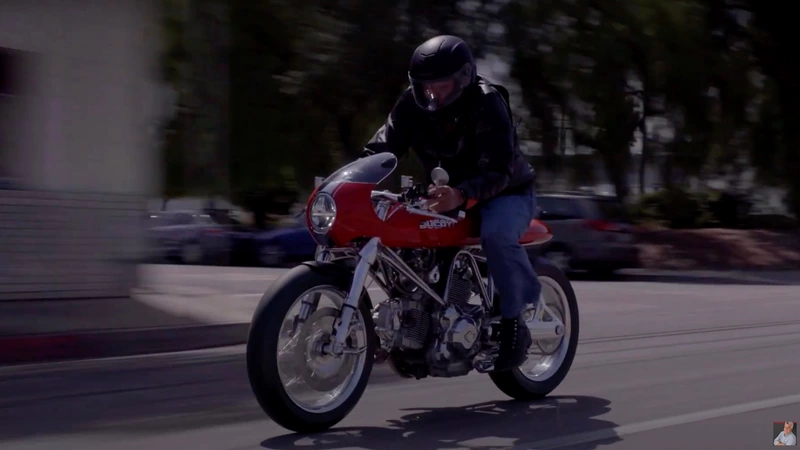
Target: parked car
590 232
193 237
286 245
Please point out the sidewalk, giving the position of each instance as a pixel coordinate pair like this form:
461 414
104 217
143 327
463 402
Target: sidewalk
38 331
183 308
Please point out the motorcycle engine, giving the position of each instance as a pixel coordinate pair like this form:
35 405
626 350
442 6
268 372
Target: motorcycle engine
458 340
402 324
423 262
449 337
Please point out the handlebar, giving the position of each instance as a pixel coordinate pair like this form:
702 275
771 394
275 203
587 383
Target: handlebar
409 197
386 195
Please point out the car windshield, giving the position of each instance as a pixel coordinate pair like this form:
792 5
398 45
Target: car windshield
612 210
558 208
371 169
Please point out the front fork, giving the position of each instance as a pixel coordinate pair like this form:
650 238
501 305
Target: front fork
366 260
310 302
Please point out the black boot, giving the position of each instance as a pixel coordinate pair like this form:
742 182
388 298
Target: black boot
515 339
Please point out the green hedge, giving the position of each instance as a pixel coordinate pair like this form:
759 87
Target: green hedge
770 222
678 208
674 208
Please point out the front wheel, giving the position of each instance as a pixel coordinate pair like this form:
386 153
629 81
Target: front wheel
549 360
299 386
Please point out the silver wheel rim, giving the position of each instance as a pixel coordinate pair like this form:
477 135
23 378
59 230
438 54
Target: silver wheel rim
545 357
302 383
270 255
560 259
192 253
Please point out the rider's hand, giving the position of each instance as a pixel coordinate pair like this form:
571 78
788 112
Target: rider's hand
444 198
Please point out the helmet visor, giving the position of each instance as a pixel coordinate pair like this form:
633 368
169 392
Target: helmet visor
433 95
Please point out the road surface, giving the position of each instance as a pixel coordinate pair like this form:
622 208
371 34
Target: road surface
230 294
660 366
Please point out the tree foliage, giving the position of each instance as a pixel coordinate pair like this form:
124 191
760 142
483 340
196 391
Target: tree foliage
273 92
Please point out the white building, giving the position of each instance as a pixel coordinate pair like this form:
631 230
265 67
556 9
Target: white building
77 110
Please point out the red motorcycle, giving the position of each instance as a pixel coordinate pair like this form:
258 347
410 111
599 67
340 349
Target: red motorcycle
316 334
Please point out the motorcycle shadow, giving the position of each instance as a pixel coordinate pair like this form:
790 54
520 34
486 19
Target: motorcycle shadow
555 422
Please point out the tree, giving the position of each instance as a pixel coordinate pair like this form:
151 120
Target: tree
311 81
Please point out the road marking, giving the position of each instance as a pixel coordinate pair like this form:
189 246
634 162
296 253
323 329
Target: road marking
641 427
171 358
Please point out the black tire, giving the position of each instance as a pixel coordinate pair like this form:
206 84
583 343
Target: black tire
513 383
262 344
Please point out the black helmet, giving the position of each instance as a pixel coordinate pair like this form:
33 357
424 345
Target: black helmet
441 69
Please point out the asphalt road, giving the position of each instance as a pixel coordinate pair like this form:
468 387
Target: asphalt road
665 365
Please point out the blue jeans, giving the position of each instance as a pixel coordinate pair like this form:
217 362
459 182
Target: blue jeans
504 220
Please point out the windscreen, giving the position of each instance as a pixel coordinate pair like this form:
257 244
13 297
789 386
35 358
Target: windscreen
371 169
612 211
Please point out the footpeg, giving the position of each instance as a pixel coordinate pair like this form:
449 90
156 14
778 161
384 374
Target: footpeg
484 361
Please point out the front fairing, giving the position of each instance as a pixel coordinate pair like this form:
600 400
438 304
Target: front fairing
371 169
362 174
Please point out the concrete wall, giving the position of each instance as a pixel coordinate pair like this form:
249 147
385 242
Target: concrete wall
82 149
68 245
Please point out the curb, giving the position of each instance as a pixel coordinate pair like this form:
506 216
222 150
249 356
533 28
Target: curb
29 349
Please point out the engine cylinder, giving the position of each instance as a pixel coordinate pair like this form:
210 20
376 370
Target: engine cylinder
460 291
414 331
402 324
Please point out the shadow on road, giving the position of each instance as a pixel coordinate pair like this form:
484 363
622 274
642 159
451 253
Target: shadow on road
491 425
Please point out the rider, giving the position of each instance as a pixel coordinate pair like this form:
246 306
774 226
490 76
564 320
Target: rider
455 119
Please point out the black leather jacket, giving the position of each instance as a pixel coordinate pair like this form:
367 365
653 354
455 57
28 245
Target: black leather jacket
481 155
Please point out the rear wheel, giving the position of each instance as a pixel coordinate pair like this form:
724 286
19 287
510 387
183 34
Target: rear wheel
550 360
297 384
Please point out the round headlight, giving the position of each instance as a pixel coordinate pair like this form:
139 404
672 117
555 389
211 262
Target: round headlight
323 213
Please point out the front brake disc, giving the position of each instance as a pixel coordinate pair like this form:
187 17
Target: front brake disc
320 371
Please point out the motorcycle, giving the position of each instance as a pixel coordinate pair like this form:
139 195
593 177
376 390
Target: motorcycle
309 364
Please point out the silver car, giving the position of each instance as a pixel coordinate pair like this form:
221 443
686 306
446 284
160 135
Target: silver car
190 237
590 233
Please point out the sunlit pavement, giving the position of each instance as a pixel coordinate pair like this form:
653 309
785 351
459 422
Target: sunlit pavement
660 366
